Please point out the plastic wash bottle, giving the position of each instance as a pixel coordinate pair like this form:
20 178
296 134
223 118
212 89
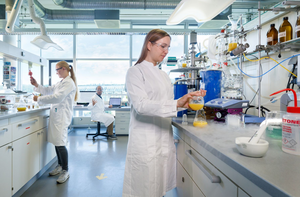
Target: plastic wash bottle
291 127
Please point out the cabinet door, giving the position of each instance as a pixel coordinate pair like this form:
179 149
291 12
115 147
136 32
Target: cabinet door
25 160
185 185
5 170
47 150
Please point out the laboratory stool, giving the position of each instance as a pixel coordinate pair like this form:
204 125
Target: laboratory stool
98 132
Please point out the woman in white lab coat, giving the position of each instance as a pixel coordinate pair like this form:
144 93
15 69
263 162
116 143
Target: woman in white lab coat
150 169
62 96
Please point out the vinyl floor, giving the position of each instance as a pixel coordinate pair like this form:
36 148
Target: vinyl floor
96 169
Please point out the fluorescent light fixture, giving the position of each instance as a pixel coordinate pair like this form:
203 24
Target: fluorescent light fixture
44 42
200 10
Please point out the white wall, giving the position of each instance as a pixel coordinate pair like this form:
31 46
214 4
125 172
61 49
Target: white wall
274 80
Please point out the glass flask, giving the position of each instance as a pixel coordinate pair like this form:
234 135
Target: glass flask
285 30
200 119
197 104
272 35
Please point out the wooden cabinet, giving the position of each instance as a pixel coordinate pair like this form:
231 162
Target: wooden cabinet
122 122
6 170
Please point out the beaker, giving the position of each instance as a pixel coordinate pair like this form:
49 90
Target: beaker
274 128
200 119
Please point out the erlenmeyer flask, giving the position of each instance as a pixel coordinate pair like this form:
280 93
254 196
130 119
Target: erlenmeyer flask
200 119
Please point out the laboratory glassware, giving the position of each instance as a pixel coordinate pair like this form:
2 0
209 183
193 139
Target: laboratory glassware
285 30
197 104
272 35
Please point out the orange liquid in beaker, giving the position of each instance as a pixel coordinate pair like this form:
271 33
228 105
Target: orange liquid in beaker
199 123
232 46
196 107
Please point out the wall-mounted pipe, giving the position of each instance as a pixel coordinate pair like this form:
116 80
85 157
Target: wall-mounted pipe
9 28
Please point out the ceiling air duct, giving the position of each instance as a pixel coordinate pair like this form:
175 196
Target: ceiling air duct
107 19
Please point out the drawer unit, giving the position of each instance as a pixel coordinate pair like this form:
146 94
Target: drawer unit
185 185
26 127
122 121
121 128
5 135
209 179
122 115
82 121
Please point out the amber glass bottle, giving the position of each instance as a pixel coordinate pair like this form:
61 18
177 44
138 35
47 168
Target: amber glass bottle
272 35
285 30
297 28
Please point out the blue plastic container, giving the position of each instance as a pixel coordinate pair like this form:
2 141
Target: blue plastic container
179 91
212 80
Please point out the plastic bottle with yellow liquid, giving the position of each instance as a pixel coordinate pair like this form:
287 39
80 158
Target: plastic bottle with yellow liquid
285 31
272 35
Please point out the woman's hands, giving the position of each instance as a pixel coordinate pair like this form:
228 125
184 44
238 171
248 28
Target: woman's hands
184 101
33 82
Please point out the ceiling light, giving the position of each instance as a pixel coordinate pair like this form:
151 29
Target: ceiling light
200 10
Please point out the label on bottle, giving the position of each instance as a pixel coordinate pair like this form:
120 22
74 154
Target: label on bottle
269 39
297 28
291 135
282 34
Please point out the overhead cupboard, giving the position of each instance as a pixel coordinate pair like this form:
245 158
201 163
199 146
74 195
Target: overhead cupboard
24 150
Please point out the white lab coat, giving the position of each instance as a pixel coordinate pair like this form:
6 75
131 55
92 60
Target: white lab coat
61 96
150 169
98 113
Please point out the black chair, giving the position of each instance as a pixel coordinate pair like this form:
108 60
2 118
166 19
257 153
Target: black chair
98 132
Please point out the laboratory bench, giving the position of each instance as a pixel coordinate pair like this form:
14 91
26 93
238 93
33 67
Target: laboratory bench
209 164
82 118
24 151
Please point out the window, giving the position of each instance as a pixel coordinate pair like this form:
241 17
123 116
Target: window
65 42
27 46
25 78
103 46
109 74
137 44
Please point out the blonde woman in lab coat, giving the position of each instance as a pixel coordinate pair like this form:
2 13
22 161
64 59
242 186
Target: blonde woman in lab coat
61 96
150 169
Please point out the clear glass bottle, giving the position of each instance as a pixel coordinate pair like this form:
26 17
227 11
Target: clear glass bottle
297 27
285 31
272 35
